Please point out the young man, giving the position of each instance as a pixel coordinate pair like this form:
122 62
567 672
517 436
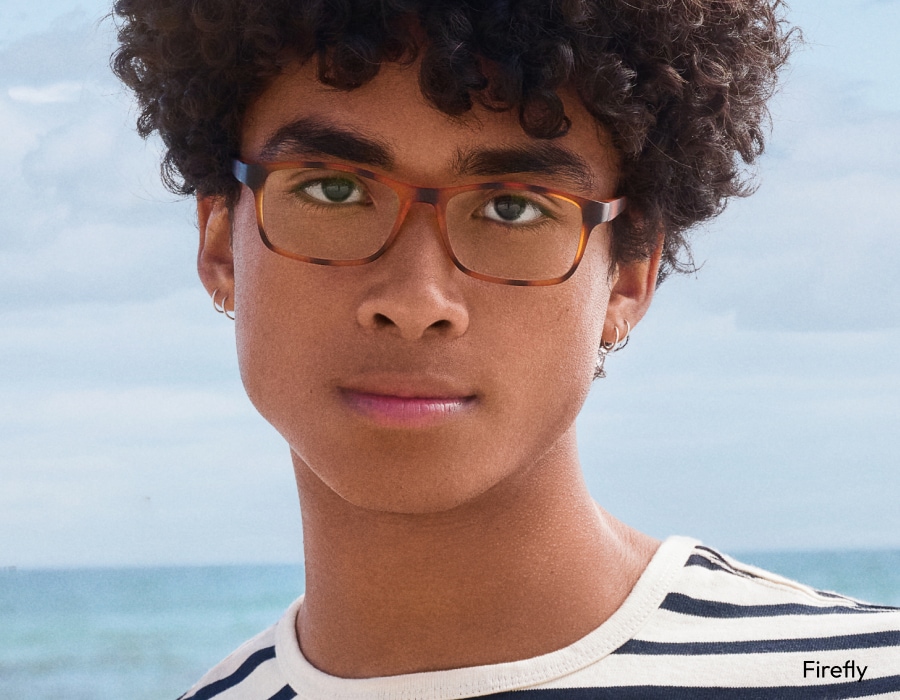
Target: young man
428 217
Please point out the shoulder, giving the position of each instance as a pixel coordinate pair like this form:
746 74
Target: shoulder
724 623
714 586
251 672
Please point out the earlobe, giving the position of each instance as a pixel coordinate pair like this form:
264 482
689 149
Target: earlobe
215 260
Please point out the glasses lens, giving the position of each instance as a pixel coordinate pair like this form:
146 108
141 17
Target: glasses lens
514 233
327 214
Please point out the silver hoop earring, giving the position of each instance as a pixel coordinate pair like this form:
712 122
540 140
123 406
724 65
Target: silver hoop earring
220 308
606 348
625 340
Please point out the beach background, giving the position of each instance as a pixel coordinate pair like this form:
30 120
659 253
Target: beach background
148 516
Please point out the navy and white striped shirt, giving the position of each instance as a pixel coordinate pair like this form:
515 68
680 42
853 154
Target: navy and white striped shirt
696 625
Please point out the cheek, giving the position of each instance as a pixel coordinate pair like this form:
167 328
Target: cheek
566 323
276 350
549 339
254 352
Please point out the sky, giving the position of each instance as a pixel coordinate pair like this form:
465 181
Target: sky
756 406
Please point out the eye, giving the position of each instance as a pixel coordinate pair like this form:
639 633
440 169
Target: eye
512 209
335 190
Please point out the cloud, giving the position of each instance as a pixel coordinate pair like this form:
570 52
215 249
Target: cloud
815 248
65 51
19 19
104 345
142 475
58 92
746 438
87 219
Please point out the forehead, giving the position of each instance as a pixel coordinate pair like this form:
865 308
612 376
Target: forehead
424 143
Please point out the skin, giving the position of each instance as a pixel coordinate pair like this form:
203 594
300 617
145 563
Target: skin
474 540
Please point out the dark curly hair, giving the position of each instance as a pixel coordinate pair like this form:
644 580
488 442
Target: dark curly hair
681 85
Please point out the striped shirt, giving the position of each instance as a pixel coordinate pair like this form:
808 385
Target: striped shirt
696 625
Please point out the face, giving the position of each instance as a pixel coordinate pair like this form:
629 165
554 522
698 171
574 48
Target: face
403 384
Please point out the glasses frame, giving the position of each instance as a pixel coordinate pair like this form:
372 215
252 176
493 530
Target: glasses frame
593 212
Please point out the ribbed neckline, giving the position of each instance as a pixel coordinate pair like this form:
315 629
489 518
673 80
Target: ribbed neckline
644 599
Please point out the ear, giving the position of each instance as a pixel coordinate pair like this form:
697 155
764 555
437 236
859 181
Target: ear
215 260
632 291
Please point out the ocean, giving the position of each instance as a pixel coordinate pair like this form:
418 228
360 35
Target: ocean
109 634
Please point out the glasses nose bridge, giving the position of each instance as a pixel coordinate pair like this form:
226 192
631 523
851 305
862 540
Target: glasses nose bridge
411 194
426 195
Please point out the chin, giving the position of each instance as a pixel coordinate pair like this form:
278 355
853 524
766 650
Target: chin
407 484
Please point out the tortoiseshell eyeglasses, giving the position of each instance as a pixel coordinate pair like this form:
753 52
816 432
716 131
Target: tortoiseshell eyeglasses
503 232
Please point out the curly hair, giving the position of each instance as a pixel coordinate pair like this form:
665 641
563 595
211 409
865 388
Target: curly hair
681 85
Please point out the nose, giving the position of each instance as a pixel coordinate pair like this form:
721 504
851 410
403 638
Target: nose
414 290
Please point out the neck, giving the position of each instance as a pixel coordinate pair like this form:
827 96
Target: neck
527 568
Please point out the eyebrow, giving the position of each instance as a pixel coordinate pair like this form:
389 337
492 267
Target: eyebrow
314 137
532 158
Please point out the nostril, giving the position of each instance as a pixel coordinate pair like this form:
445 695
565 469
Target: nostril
382 321
409 312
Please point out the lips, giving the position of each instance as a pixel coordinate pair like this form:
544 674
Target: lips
404 401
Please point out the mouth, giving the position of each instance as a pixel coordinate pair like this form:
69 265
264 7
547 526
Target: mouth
406 404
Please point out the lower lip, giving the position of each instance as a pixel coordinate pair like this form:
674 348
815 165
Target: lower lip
406 412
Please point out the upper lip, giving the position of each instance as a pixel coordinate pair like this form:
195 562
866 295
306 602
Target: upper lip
407 386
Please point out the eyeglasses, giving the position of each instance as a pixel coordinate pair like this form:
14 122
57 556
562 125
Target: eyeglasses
503 232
